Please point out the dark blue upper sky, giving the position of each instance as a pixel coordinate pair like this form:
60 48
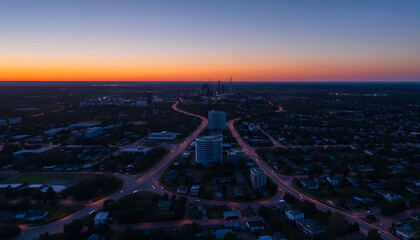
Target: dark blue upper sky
194 40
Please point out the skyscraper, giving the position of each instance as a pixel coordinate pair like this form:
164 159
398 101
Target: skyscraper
230 88
149 98
217 120
206 90
208 150
258 177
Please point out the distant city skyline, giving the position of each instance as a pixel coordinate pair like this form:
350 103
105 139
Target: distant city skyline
130 40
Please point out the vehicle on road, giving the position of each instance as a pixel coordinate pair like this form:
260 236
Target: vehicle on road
121 191
91 212
135 191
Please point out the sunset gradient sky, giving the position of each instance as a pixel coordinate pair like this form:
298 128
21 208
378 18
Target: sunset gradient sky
375 40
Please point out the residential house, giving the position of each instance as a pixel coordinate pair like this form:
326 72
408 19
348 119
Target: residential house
310 229
230 215
255 225
308 183
101 218
36 215
353 181
389 196
333 181
282 207
416 216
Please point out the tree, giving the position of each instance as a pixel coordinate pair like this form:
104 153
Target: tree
289 198
230 236
196 227
392 208
414 201
53 202
373 234
24 204
288 170
395 184
73 229
263 211
129 234
102 229
95 187
351 228
186 232
337 224
9 231
108 202
4 204
308 208
371 217
44 236
50 194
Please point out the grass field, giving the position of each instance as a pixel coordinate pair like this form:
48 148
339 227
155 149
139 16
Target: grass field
40 178
58 212
4 177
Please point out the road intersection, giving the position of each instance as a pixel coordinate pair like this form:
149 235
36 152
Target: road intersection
282 182
149 181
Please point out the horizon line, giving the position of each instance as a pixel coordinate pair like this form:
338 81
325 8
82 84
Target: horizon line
215 80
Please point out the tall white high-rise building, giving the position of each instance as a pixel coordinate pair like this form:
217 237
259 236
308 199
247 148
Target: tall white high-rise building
208 150
217 120
258 177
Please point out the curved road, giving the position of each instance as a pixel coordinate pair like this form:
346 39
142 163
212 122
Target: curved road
278 179
138 182
149 181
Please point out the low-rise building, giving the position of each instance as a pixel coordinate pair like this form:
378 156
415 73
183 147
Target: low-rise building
389 196
165 205
308 183
34 151
310 229
195 190
13 186
405 232
333 181
416 216
94 132
293 214
36 215
255 225
230 215
101 218
164 135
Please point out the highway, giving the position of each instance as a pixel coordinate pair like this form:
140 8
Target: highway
279 180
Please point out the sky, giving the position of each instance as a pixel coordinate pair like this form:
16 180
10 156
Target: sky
127 40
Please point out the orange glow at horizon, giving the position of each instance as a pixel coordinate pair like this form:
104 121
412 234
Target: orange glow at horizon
196 71
193 40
